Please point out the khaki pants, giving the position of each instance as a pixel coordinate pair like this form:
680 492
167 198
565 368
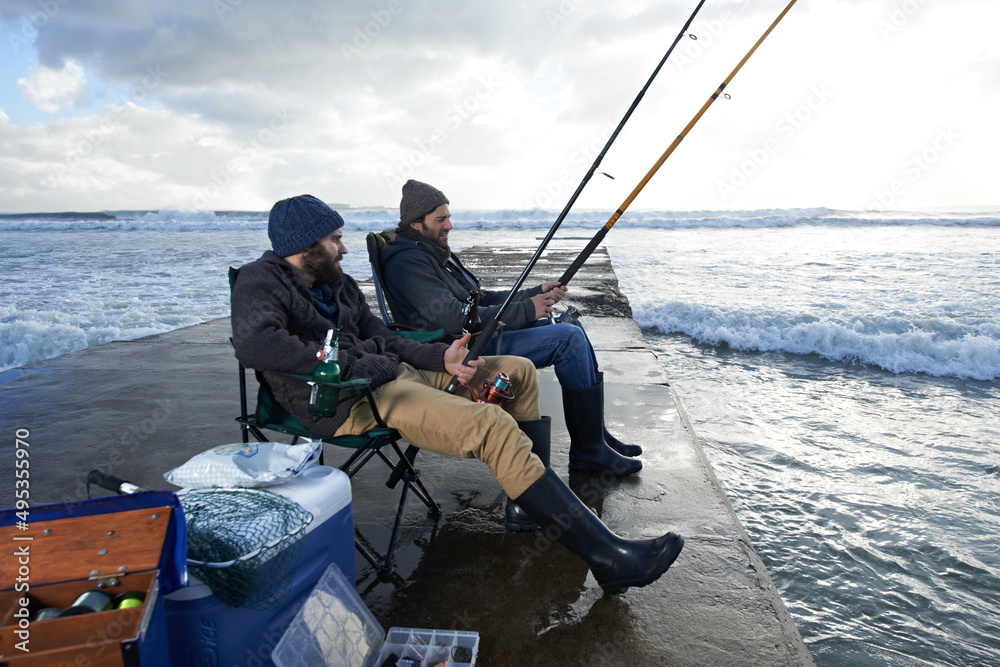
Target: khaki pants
432 419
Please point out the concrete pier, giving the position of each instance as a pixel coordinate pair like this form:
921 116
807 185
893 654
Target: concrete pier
137 409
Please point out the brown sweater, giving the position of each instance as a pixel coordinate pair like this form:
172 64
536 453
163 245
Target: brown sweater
278 329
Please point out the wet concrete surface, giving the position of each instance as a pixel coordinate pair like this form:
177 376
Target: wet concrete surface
137 409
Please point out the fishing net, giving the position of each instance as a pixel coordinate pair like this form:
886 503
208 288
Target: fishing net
244 543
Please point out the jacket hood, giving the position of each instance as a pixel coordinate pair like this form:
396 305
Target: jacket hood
399 244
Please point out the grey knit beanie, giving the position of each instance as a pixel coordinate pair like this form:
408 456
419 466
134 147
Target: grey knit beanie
298 222
418 200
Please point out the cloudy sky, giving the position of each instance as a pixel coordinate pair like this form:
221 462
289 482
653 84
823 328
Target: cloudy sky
233 104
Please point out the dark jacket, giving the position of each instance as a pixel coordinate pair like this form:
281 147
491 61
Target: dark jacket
430 297
278 329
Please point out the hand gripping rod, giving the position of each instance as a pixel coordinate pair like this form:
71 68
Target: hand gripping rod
490 327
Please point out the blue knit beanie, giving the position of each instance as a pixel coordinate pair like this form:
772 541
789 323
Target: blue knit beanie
297 223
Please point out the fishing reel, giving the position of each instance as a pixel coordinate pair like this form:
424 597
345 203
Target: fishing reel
495 391
569 316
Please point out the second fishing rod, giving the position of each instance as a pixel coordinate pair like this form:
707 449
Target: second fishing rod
596 241
490 327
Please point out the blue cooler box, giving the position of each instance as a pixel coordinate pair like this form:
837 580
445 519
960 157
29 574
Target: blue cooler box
204 631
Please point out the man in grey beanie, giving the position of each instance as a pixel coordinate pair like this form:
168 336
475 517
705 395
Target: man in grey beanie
282 306
429 286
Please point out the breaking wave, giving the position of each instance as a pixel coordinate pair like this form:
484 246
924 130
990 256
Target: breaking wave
376 219
934 346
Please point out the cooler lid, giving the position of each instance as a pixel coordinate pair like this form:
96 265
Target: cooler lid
99 537
320 490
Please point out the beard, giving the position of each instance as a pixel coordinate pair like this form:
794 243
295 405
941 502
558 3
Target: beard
323 266
436 240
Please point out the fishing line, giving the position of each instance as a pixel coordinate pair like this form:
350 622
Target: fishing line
582 257
490 327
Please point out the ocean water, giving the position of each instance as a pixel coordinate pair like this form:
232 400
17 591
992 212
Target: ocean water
842 379
842 369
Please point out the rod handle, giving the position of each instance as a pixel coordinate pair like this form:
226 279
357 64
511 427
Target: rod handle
475 350
111 483
583 256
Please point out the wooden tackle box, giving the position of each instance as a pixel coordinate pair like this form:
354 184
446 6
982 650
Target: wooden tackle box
116 544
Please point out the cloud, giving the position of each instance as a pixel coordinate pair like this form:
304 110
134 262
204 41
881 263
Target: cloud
237 103
51 89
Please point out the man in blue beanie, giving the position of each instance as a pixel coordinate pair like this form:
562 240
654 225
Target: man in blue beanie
282 306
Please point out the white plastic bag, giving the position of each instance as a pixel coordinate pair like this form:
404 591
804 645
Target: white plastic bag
245 465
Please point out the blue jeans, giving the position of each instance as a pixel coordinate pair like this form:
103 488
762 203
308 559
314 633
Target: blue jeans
564 346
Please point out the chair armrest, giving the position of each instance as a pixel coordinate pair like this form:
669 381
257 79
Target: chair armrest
356 383
418 335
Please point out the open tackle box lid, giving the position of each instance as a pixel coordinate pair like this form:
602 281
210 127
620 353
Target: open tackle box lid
67 544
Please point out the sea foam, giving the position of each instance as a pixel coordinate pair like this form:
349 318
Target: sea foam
376 219
936 347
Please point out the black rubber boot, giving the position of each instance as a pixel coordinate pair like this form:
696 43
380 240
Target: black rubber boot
584 410
540 432
613 442
617 563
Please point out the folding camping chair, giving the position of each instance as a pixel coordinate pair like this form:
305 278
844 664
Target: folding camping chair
390 313
268 415
387 308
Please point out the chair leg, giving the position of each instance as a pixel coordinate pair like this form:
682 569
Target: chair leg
387 563
411 482
367 452
433 509
400 468
412 477
249 429
367 555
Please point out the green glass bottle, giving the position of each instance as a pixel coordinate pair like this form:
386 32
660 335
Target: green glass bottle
471 322
323 399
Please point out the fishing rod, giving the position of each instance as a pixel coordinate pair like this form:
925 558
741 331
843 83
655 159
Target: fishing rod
585 254
490 327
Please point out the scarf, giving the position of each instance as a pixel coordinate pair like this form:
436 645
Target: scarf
410 234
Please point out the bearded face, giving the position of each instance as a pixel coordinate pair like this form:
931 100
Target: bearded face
436 225
323 265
